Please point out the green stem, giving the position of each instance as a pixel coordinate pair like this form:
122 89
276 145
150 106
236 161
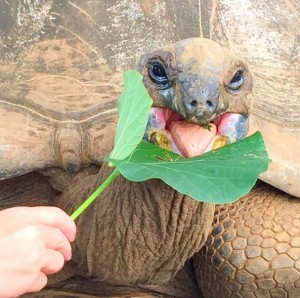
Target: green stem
95 194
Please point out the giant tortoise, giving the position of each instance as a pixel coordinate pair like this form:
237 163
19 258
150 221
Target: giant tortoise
253 246
42 46
139 235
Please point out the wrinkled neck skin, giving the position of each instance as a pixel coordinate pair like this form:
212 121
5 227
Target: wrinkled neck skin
199 71
136 233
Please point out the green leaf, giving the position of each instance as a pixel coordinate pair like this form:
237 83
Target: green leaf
134 106
219 176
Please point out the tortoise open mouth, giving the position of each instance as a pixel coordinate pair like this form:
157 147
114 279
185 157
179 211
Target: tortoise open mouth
202 96
171 131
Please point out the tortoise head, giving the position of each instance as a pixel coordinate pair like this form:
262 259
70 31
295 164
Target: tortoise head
201 82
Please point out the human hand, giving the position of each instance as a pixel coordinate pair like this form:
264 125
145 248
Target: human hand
34 242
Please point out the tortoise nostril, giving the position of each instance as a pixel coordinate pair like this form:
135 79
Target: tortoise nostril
193 103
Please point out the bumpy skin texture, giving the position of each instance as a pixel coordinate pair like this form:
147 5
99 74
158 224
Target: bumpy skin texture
254 248
136 233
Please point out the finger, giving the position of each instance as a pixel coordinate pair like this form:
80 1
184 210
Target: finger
39 283
55 239
53 262
57 218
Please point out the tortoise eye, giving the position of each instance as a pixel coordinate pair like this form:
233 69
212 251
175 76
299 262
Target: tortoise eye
158 74
237 81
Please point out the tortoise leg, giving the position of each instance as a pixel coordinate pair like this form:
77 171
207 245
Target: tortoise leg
254 247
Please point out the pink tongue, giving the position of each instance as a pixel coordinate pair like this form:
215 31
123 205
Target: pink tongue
191 139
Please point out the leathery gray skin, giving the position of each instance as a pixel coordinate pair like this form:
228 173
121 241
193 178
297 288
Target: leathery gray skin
199 80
